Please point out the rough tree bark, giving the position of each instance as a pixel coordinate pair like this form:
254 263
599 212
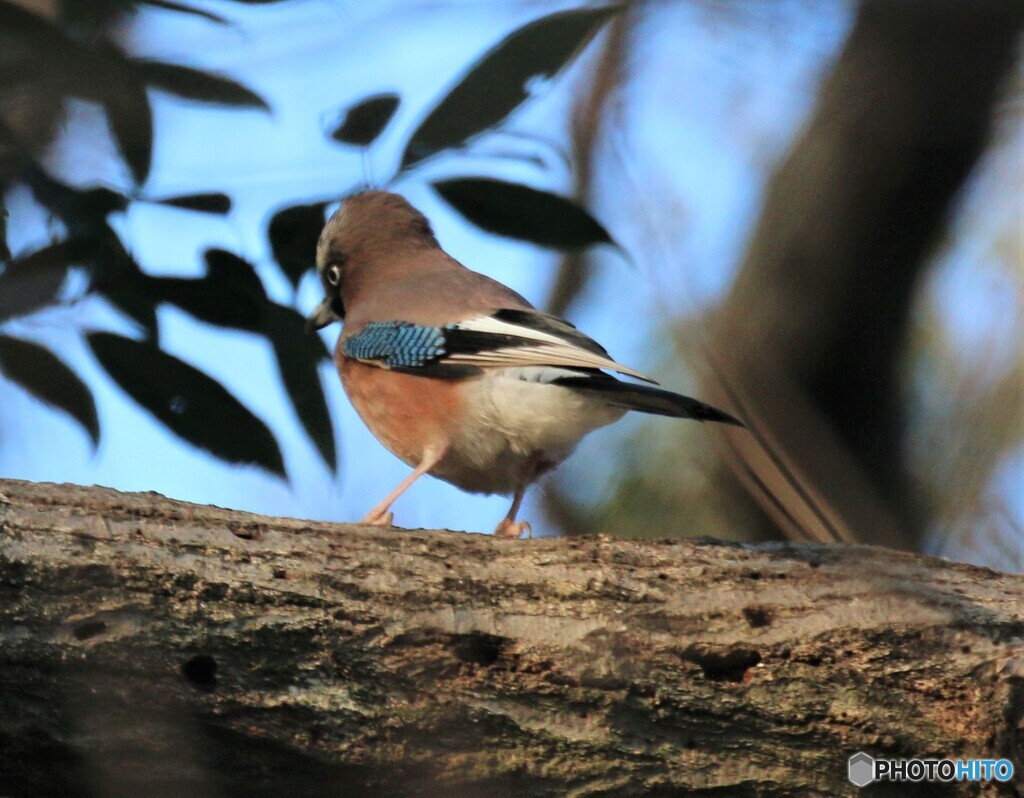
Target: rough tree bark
153 647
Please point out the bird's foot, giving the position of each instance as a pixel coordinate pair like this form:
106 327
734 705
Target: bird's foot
378 517
513 529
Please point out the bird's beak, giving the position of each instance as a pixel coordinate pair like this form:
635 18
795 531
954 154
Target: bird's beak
321 316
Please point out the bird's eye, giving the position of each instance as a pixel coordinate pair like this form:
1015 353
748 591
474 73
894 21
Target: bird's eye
334 275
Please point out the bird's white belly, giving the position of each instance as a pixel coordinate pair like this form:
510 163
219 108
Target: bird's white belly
519 423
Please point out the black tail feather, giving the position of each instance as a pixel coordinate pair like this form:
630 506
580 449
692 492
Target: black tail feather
647 399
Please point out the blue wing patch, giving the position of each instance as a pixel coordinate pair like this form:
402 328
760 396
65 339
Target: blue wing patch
397 344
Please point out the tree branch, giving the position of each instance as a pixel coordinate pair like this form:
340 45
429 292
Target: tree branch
156 647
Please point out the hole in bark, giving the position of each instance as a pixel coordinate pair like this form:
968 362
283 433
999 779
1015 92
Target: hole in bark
201 670
478 648
561 679
280 573
90 629
728 665
757 617
250 532
753 574
965 649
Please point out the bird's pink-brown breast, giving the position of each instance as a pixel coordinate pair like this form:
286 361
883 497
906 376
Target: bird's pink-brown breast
406 413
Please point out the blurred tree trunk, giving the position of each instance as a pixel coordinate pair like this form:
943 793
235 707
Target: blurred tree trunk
812 336
30 108
152 647
44 8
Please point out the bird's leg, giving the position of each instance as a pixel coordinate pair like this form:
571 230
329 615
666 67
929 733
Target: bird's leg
381 515
509 527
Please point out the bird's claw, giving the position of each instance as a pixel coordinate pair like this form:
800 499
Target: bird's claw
513 529
379 518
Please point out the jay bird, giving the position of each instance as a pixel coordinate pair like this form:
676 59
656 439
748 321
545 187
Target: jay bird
456 374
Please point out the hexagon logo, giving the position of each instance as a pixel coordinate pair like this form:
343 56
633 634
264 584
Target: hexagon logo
861 769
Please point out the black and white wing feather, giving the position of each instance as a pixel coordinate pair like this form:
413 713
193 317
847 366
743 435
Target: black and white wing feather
505 339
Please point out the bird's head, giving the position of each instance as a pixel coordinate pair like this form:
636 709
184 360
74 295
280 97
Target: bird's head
373 235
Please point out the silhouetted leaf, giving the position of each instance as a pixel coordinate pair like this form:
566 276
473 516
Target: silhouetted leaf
192 405
230 309
33 281
118 277
521 212
194 84
25 290
42 374
226 269
293 234
497 83
205 203
63 254
230 295
366 120
83 211
88 18
126 104
33 46
27 39
298 358
133 298
101 72
186 9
